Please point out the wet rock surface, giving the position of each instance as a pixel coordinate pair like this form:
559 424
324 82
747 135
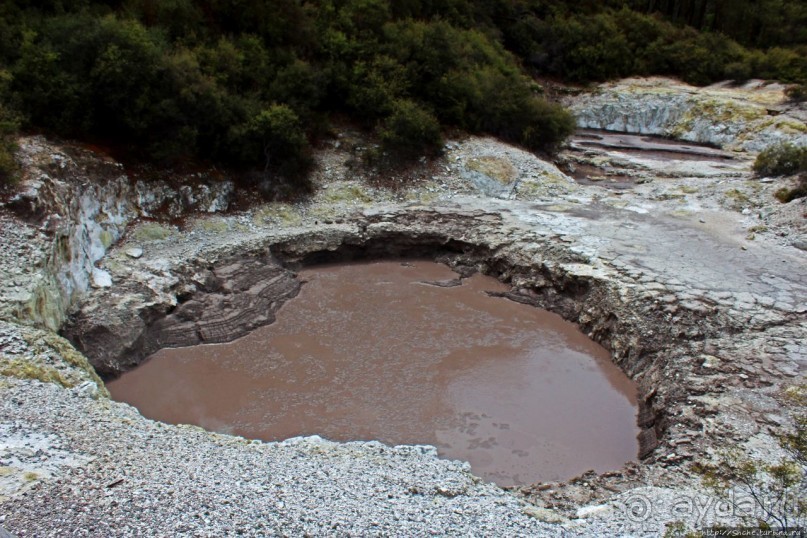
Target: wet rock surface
691 277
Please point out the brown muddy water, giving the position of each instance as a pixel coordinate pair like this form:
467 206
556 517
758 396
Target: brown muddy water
374 351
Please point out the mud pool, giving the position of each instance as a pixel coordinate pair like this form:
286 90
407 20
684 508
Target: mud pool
406 353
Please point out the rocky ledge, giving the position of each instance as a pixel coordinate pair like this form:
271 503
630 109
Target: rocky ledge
748 117
685 268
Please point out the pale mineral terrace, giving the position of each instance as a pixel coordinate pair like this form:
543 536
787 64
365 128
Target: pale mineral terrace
678 260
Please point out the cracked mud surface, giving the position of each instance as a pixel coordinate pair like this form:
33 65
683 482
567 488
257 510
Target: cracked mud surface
694 278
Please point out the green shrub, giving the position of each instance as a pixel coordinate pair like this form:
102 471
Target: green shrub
9 124
603 43
782 64
125 78
298 85
499 102
785 195
276 132
8 166
797 93
179 79
242 64
738 71
471 82
410 130
375 85
53 95
596 48
781 160
180 18
545 125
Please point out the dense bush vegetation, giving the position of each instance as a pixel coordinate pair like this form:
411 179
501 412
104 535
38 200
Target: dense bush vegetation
250 83
410 130
8 128
598 44
797 93
781 160
784 160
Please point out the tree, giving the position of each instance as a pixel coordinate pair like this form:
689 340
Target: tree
125 78
9 123
281 138
410 131
51 96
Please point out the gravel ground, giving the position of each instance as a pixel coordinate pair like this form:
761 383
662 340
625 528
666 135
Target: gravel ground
147 478
98 468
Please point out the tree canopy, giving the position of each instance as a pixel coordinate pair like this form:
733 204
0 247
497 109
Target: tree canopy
249 83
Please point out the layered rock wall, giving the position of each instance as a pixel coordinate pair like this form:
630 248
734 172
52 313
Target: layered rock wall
213 304
223 293
78 204
747 118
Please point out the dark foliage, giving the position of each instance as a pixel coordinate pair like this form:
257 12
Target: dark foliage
8 128
797 93
247 83
786 195
410 130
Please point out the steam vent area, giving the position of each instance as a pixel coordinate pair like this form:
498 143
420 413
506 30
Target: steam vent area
491 343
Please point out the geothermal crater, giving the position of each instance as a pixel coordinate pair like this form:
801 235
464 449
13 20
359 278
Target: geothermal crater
687 270
407 353
565 406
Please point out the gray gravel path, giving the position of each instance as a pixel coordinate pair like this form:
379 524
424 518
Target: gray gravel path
146 480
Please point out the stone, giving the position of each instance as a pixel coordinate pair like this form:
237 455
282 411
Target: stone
87 389
101 278
134 252
592 511
544 514
710 361
717 116
238 296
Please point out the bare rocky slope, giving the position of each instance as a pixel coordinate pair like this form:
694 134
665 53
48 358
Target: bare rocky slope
675 258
